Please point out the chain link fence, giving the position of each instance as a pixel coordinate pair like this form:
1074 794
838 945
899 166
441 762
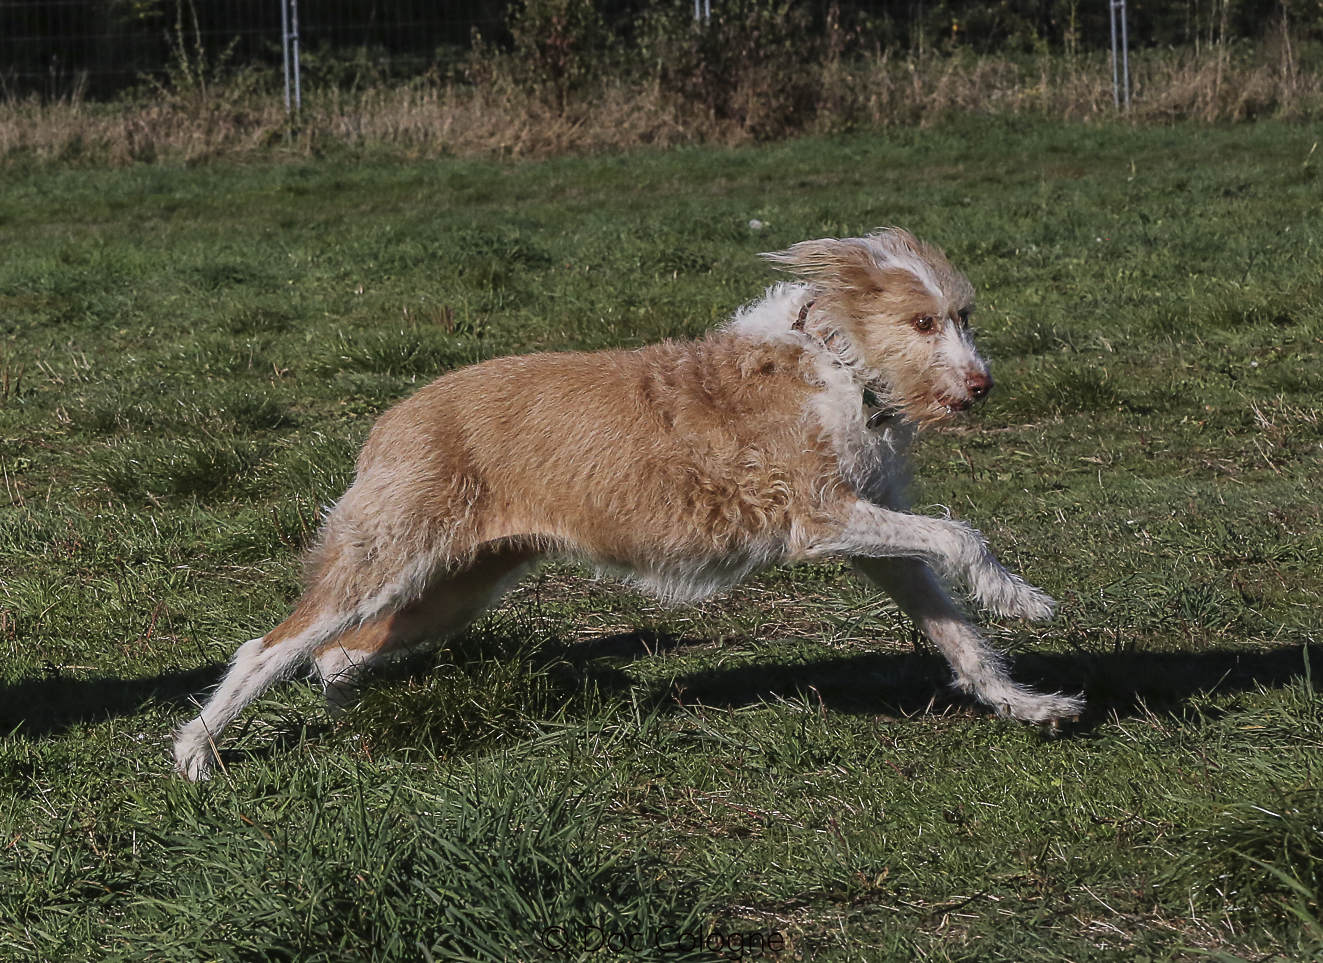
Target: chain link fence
98 48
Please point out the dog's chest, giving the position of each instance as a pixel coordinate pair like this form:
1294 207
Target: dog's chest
873 458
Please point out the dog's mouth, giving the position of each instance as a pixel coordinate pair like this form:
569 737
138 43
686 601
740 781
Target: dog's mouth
958 407
881 405
945 409
978 385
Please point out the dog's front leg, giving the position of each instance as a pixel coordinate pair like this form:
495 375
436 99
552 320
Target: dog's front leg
979 668
952 548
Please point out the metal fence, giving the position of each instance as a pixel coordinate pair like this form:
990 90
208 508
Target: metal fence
101 47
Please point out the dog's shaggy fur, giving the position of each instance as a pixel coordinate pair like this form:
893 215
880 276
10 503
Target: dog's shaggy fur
684 467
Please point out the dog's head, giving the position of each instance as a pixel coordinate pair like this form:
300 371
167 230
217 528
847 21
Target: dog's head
893 307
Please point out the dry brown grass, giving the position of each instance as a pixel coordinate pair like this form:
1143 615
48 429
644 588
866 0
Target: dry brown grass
431 118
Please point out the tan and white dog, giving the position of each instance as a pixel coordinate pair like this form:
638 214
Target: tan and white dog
684 467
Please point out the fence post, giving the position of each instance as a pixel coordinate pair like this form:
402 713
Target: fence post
1113 7
1125 56
294 30
284 48
289 43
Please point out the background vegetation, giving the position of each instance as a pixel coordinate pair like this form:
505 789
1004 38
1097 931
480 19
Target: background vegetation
190 357
574 76
114 45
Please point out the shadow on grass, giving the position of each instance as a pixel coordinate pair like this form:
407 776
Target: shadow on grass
57 702
901 683
890 683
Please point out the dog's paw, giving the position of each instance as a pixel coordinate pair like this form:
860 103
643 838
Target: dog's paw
194 756
1032 603
1014 598
1035 708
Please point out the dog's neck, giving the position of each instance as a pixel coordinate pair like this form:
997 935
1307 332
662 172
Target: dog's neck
877 413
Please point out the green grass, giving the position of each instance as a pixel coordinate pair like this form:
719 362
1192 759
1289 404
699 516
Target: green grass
190 358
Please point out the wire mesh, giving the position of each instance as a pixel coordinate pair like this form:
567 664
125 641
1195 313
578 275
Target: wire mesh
101 47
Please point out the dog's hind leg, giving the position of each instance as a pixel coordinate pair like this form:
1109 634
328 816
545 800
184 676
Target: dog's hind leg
979 668
258 663
450 602
343 634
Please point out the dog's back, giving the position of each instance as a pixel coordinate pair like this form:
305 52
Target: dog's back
677 451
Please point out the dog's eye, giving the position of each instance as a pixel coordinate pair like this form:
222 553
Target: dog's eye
924 324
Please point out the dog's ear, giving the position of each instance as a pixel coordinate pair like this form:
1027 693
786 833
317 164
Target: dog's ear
848 262
890 259
865 264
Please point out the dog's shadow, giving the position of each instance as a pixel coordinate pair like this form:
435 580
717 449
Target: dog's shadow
57 701
905 684
877 683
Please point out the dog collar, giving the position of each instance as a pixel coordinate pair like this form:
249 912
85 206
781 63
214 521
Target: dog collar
876 414
827 342
803 315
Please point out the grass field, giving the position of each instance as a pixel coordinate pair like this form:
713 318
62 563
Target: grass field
191 356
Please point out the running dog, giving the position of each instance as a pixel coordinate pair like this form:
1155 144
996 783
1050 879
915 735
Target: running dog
683 467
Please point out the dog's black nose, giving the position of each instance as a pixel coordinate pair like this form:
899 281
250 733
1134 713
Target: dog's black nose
978 385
